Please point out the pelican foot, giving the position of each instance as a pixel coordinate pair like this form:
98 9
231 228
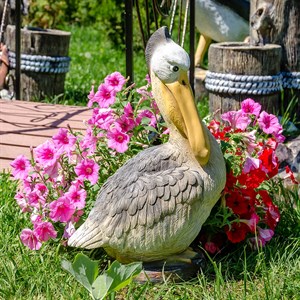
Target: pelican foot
176 268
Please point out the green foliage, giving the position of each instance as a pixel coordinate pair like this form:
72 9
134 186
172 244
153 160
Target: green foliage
291 127
115 278
107 15
93 57
46 13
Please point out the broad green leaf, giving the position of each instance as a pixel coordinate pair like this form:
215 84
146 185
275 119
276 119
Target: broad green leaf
122 275
101 287
83 269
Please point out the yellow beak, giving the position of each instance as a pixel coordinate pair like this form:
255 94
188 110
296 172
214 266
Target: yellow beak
183 113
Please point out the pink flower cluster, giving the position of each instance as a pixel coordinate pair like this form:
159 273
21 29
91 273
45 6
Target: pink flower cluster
57 179
117 127
248 139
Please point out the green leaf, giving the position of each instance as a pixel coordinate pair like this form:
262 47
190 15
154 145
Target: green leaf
101 287
116 277
83 269
150 128
122 275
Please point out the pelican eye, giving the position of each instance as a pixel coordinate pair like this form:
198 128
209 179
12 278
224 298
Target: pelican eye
175 68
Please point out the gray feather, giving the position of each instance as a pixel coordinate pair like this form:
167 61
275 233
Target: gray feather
143 194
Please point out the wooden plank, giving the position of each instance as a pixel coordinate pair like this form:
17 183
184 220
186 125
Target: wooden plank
40 122
36 115
12 151
41 108
28 129
20 140
24 124
5 164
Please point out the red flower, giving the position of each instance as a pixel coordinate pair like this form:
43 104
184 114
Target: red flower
253 179
291 175
269 162
272 212
265 197
211 247
239 201
236 232
272 216
231 182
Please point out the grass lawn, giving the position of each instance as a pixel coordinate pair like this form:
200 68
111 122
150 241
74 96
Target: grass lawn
271 273
93 56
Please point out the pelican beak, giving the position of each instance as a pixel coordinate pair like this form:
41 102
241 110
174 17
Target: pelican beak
184 115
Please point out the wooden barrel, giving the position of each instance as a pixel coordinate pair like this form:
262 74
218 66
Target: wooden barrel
41 47
238 71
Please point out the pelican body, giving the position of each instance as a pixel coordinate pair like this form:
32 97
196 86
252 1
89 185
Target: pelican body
220 21
153 207
223 21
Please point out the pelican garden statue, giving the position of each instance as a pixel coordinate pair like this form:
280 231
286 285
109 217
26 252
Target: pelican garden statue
153 207
220 21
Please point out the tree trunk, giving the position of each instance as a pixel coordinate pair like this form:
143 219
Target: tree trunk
278 22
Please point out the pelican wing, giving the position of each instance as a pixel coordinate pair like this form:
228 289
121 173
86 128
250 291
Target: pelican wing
141 193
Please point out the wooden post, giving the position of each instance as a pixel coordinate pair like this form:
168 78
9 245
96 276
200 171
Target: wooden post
241 59
50 43
278 22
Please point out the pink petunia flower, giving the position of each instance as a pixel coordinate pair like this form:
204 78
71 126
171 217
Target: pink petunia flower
117 139
102 118
269 124
69 230
34 218
44 231
249 106
148 115
61 210
89 142
43 190
126 123
21 166
249 139
87 169
251 163
144 93
236 119
22 202
29 239
264 235
91 97
64 141
115 81
252 222
128 110
148 79
76 217
280 138
77 196
47 155
105 96
35 199
154 106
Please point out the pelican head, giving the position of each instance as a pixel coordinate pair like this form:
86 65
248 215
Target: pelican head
168 64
